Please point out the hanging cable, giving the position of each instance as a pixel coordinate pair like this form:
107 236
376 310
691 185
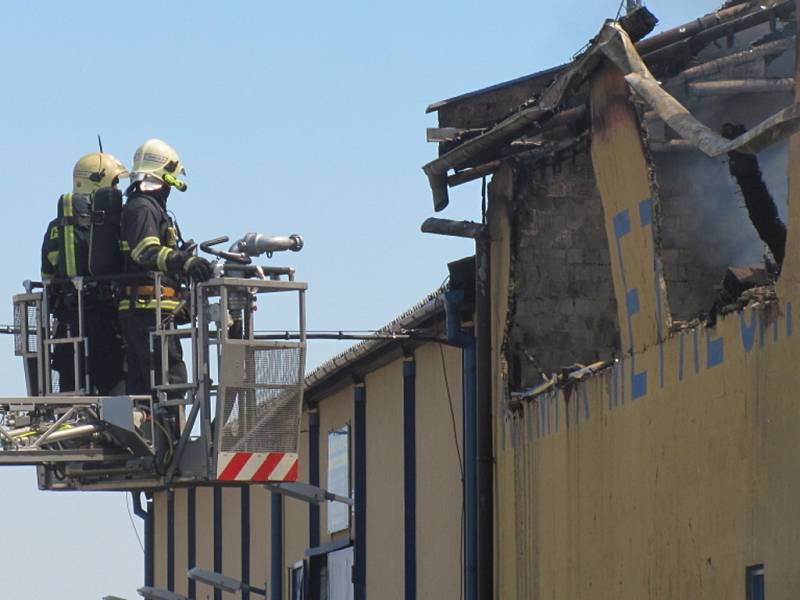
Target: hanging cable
130 516
452 412
461 467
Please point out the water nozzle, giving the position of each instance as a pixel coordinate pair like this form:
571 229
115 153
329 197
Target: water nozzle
256 244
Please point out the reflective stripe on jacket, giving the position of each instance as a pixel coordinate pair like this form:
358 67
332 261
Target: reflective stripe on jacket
148 238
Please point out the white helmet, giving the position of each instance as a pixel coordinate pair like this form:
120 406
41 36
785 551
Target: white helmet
155 159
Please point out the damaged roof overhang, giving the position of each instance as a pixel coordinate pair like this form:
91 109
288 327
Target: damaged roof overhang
614 43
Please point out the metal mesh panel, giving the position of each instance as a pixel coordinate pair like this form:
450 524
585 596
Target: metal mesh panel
261 411
33 325
26 343
19 323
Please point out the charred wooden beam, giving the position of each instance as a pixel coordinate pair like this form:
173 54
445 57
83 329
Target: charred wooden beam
691 45
565 118
465 229
451 134
474 173
720 65
672 146
504 133
544 137
689 29
553 153
741 86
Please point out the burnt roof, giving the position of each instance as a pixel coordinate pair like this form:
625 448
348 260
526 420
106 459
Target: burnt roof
494 120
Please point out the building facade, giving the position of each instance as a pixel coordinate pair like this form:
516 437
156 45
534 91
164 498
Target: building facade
643 212
630 332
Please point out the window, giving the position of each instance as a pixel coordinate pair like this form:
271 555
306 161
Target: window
755 582
297 581
340 574
339 478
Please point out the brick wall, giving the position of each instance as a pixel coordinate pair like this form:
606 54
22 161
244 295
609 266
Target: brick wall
562 294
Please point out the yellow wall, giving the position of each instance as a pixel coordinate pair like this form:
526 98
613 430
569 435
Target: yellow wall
260 535
160 539
439 500
295 512
204 535
629 205
385 520
231 535
181 541
671 495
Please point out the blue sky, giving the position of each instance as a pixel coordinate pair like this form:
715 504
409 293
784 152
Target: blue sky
290 118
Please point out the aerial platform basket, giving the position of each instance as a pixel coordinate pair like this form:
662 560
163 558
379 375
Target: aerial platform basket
235 421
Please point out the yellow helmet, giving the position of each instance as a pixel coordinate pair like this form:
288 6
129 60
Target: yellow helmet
96 170
157 159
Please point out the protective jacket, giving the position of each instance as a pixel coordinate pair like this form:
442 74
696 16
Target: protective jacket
149 242
50 252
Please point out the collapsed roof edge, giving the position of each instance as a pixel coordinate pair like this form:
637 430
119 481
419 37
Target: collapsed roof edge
741 16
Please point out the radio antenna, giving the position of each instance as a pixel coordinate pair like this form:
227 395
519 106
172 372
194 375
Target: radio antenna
100 143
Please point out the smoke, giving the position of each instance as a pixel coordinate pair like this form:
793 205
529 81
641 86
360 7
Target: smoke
705 228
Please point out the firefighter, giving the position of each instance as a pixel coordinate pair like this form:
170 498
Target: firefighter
66 251
149 240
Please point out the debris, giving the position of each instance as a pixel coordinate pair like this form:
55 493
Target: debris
739 279
638 23
742 286
618 47
568 376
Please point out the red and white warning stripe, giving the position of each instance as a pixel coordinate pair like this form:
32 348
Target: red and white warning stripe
257 466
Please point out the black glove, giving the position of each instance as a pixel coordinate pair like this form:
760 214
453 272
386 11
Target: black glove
198 268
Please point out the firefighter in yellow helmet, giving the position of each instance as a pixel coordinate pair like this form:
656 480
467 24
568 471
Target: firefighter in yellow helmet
66 253
150 242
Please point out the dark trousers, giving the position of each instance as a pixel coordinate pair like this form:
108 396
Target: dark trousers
106 354
137 324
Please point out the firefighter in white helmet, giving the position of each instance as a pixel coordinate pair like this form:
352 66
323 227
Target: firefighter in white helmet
150 242
67 252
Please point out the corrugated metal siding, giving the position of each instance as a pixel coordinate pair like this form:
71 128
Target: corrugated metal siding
670 495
